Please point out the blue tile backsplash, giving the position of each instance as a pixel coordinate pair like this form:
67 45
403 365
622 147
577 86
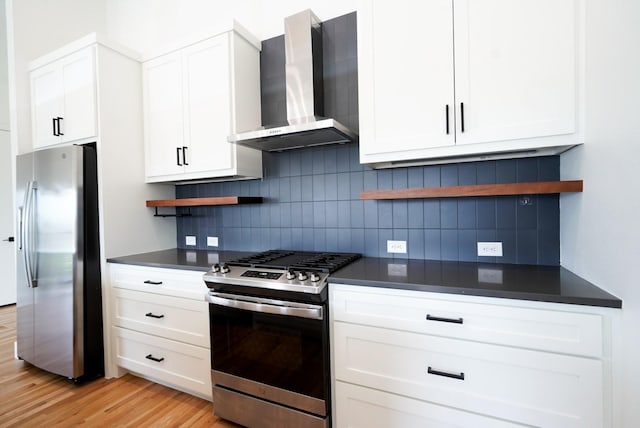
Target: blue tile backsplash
312 209
311 197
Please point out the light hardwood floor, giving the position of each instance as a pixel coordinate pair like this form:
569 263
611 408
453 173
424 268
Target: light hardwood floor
30 397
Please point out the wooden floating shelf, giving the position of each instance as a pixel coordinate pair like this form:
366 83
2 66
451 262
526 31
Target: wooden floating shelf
195 202
535 188
199 202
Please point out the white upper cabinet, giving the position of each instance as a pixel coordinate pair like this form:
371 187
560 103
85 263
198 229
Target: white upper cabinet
461 78
194 97
163 115
63 99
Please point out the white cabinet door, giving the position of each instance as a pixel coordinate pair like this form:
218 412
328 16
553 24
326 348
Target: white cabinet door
63 100
207 105
405 76
359 407
459 78
79 91
163 115
528 387
515 69
178 364
46 105
175 318
556 329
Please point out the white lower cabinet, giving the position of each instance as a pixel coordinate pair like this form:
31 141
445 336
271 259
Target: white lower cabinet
171 362
361 407
399 368
160 326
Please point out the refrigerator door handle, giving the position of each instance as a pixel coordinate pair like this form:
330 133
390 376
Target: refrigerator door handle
26 223
20 232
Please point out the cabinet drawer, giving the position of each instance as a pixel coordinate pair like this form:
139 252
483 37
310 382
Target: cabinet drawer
175 318
184 366
358 407
172 282
524 386
539 329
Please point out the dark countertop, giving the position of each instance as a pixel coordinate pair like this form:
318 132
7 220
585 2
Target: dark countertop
174 258
526 282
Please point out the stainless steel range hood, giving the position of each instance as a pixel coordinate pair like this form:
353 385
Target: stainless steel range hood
304 89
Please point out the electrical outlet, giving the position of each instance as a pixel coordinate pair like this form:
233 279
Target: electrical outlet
399 247
212 241
489 249
490 276
190 240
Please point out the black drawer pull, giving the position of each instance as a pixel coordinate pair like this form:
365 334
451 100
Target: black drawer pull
152 315
445 374
148 281
152 358
451 320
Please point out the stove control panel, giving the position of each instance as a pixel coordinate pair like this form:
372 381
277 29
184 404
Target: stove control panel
261 274
281 279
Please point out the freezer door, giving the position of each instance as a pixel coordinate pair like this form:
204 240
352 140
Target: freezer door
24 296
58 260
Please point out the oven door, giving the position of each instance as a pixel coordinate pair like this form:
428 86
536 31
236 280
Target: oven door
270 349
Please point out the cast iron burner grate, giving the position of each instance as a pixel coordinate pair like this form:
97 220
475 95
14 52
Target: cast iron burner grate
299 260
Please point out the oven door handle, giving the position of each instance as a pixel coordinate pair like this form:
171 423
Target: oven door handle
268 306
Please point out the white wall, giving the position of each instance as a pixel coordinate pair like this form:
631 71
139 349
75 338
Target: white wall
4 77
36 27
149 25
600 228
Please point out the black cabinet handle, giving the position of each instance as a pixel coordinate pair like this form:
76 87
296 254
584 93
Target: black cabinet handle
152 315
446 111
148 281
461 117
184 155
451 320
459 376
178 149
152 358
53 119
9 239
59 121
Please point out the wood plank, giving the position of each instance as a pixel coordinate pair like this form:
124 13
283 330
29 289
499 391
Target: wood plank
535 188
32 397
193 202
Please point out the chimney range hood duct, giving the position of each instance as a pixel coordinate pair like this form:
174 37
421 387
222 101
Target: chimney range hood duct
304 89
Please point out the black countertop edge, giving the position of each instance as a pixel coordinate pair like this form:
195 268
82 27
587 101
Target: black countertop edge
553 284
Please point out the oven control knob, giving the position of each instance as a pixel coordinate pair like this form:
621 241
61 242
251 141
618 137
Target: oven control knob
215 268
302 276
224 268
315 277
291 274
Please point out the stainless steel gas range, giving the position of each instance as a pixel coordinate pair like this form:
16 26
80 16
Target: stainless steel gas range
270 338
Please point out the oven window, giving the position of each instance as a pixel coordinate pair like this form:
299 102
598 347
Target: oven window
282 351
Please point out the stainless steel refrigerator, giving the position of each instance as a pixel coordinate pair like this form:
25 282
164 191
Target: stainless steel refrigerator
59 304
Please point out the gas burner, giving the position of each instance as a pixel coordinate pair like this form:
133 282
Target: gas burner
287 271
284 259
